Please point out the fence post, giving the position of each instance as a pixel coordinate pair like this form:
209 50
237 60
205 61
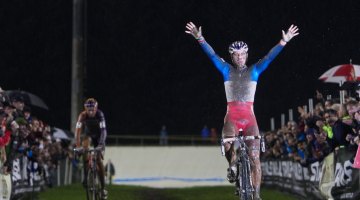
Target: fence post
291 115
282 120
82 174
311 106
70 173
272 123
58 173
66 171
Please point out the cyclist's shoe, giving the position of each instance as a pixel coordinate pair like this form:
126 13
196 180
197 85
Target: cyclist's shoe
84 184
257 195
231 174
237 191
104 194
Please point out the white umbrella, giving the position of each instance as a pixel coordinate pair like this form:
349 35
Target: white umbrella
61 134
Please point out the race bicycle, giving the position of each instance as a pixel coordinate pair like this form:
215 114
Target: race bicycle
92 186
244 185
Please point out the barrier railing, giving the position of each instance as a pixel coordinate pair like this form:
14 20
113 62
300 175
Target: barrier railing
141 140
334 178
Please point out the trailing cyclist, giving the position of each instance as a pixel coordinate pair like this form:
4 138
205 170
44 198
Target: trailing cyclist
240 85
93 121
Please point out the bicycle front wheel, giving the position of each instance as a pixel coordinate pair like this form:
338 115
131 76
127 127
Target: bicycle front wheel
93 186
246 191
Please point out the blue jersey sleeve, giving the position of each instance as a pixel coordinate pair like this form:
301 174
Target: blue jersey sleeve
264 63
219 63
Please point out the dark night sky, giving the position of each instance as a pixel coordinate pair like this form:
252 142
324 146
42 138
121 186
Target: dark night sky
145 71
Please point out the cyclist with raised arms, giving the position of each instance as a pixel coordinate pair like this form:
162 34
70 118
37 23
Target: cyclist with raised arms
93 121
240 85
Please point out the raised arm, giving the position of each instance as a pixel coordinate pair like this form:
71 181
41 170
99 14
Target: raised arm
286 37
197 34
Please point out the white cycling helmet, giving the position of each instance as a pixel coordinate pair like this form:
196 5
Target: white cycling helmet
238 46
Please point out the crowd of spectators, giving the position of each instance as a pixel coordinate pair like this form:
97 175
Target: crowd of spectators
329 127
30 137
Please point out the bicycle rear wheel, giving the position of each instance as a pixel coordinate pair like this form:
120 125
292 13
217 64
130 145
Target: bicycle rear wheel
93 189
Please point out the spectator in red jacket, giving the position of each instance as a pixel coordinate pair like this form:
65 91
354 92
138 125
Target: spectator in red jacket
5 132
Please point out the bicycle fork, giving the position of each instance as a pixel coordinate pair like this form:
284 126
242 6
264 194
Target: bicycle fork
244 164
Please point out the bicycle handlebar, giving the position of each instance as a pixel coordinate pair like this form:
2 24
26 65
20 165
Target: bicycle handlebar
237 138
242 138
91 149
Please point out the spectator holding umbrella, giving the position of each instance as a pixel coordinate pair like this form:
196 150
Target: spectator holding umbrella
18 102
27 114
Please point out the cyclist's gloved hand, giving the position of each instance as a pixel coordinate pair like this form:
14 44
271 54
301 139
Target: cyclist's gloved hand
194 31
78 151
101 147
291 32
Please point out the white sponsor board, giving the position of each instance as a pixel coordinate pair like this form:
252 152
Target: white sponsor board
168 166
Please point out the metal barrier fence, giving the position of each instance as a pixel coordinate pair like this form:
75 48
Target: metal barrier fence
282 174
146 140
333 178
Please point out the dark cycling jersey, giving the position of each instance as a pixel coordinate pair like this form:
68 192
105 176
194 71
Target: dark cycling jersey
240 85
94 127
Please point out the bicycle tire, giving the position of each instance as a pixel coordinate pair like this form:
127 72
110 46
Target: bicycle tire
93 186
241 182
245 190
249 187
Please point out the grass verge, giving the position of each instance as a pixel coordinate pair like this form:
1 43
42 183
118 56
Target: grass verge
120 192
